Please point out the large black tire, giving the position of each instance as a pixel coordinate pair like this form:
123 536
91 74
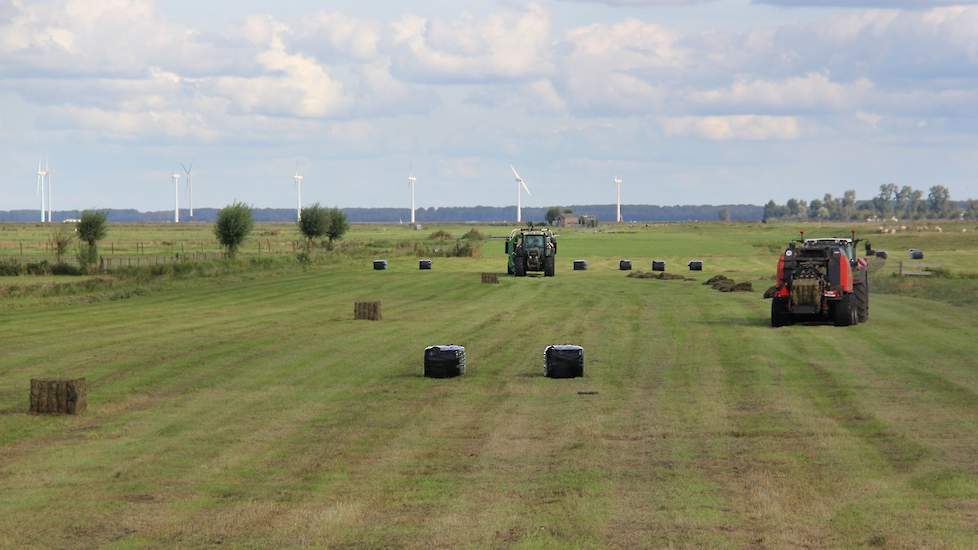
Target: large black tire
860 289
844 312
519 266
549 266
780 316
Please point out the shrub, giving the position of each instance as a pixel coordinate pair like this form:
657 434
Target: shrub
474 235
234 223
61 268
314 223
338 225
10 268
61 239
440 235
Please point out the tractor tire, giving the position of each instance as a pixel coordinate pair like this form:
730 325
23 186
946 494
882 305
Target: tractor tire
860 290
549 266
519 267
844 312
780 316
509 269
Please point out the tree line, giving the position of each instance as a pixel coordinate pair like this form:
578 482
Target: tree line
904 203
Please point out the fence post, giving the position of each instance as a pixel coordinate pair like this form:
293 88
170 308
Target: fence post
901 268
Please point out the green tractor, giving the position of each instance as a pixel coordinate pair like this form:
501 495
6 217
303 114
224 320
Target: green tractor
529 249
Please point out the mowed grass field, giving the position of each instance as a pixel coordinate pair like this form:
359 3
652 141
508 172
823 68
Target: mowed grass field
248 410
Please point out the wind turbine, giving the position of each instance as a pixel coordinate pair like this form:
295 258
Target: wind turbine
411 181
520 187
176 198
41 174
298 187
618 185
190 186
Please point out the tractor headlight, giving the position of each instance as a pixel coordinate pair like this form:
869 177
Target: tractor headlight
789 253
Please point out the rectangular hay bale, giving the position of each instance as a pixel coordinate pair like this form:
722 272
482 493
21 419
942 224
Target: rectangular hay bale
367 311
490 278
50 396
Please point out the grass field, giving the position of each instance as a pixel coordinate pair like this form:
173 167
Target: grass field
246 409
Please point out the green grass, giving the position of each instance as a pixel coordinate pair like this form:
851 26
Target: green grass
246 409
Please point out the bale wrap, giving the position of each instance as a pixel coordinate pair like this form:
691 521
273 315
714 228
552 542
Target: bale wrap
446 361
563 361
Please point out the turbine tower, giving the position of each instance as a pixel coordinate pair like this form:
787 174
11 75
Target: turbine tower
176 198
298 187
411 181
41 174
618 186
520 187
190 187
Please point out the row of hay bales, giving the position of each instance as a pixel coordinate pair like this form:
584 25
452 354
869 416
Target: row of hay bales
887 230
450 361
626 265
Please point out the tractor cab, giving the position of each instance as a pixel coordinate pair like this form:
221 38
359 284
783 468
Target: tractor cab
530 249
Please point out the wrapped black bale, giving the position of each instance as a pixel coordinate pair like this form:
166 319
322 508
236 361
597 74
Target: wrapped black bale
424 264
882 254
380 265
58 396
916 254
696 265
444 361
563 361
580 265
625 265
658 265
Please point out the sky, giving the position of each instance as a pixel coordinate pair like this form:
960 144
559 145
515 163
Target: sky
688 101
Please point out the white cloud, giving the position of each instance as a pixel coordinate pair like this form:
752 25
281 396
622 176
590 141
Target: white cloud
737 127
811 92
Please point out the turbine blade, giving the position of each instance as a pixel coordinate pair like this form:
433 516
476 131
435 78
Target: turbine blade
525 188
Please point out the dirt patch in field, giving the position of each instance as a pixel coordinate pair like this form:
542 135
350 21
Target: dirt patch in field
662 276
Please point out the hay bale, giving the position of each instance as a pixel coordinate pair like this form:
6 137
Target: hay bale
916 254
658 265
696 265
490 278
882 254
563 361
367 311
580 265
58 396
744 286
444 361
625 265
380 265
724 285
424 264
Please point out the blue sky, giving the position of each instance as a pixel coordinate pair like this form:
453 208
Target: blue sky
689 101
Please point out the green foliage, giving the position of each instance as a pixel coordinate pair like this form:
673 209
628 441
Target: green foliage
553 214
92 228
476 235
337 226
61 239
314 222
234 224
440 235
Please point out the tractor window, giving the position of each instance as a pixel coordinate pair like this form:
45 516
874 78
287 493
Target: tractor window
533 241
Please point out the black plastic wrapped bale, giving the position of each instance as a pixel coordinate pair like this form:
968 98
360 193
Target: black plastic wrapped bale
444 361
658 265
58 396
882 254
424 264
380 265
625 265
696 265
563 361
916 254
580 265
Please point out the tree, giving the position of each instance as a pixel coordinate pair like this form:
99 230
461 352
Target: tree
234 224
724 214
313 223
337 225
972 212
92 228
848 204
792 206
770 210
917 205
888 193
815 208
903 205
939 200
553 214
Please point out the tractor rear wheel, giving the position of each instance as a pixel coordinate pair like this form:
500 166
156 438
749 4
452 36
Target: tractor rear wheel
549 266
780 316
519 266
860 289
844 312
